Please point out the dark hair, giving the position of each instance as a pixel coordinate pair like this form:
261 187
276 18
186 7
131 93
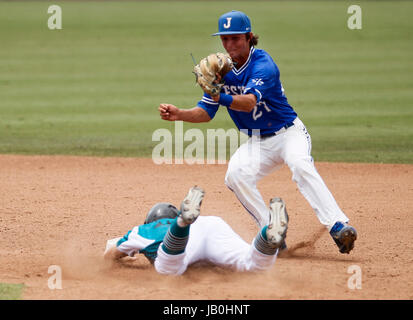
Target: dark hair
253 38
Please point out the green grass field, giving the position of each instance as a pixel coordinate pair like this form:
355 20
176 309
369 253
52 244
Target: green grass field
10 291
93 88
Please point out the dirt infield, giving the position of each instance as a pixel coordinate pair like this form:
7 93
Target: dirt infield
60 210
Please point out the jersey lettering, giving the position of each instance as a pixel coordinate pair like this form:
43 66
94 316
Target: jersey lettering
234 90
255 113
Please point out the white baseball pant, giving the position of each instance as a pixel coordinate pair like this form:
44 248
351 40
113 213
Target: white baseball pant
212 239
257 158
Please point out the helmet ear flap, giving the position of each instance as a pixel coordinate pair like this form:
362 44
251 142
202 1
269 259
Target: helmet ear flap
162 210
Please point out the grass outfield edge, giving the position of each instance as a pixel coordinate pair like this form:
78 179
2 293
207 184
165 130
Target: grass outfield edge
91 156
11 291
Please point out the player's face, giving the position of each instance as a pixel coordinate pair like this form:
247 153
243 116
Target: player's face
237 47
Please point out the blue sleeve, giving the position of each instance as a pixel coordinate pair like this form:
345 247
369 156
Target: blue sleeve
261 80
209 105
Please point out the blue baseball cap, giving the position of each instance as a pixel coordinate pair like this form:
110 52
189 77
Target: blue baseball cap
233 22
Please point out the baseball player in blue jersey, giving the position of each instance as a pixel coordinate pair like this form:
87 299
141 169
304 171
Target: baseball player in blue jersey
172 240
255 99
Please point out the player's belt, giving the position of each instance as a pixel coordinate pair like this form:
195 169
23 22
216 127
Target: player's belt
267 135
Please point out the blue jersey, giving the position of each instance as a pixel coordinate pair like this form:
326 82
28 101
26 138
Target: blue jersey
145 238
260 76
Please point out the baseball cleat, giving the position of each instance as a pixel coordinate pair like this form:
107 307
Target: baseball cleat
344 236
191 205
277 228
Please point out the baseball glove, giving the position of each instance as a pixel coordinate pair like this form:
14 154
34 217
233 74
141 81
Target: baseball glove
210 71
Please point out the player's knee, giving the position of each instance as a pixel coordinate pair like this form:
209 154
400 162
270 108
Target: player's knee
213 221
169 264
300 166
235 177
230 178
167 271
262 261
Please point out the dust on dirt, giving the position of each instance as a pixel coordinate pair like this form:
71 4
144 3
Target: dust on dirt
61 210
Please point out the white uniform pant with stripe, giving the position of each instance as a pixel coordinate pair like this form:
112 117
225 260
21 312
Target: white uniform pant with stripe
257 158
212 239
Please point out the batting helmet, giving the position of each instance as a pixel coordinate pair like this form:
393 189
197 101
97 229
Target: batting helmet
161 210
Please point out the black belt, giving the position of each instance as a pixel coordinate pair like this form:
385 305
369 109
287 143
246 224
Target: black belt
290 124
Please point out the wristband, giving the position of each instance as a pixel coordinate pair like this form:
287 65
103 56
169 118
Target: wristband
225 99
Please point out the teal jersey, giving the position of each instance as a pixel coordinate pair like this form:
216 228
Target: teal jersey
145 238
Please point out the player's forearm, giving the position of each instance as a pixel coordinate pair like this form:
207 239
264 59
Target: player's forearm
244 103
114 254
194 115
